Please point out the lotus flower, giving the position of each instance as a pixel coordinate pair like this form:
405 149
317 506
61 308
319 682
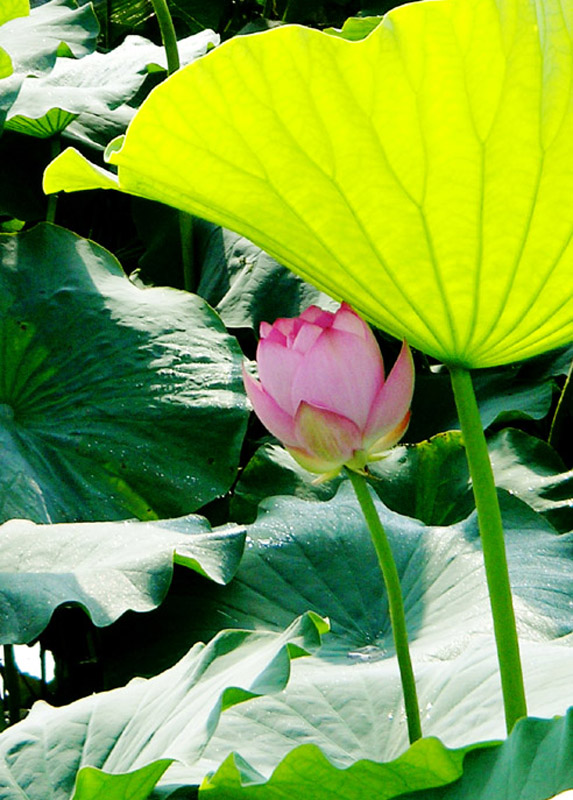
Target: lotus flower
322 390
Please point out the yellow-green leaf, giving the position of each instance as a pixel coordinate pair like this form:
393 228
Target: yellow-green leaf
424 174
6 67
72 172
10 9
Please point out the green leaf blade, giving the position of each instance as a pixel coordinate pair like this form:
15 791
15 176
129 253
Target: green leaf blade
137 728
107 568
123 423
415 198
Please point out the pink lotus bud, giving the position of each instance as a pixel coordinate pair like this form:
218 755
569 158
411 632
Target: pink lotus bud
322 390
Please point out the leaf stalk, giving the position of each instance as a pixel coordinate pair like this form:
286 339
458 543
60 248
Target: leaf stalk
395 603
168 36
493 545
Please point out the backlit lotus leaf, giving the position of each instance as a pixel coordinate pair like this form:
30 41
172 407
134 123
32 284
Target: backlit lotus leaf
424 174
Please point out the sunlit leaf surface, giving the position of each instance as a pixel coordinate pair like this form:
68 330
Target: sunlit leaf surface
422 174
13 8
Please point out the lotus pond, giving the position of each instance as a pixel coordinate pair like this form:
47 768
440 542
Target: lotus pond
208 198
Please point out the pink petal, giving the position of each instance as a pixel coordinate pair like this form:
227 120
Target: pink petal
273 334
389 439
341 373
271 415
329 438
393 400
280 331
306 337
348 320
318 316
278 365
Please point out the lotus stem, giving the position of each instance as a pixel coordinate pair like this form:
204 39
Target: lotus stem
562 406
55 150
11 684
395 603
186 236
167 34
493 545
169 40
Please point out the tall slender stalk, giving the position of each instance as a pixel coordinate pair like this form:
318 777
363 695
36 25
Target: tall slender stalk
186 235
167 34
169 40
395 603
11 684
562 405
493 545
55 150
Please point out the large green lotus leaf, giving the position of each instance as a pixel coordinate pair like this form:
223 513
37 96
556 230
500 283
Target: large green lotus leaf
428 480
55 28
241 282
114 401
95 85
171 716
502 399
355 28
533 764
196 15
389 172
106 567
305 771
6 68
247 286
531 470
347 698
10 9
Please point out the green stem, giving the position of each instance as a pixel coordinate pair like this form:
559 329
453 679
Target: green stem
186 236
169 40
11 684
493 545
395 603
167 34
562 405
55 150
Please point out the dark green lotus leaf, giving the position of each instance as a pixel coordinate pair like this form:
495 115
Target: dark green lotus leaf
504 396
247 286
114 401
273 471
428 480
346 699
94 86
531 470
129 730
106 567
